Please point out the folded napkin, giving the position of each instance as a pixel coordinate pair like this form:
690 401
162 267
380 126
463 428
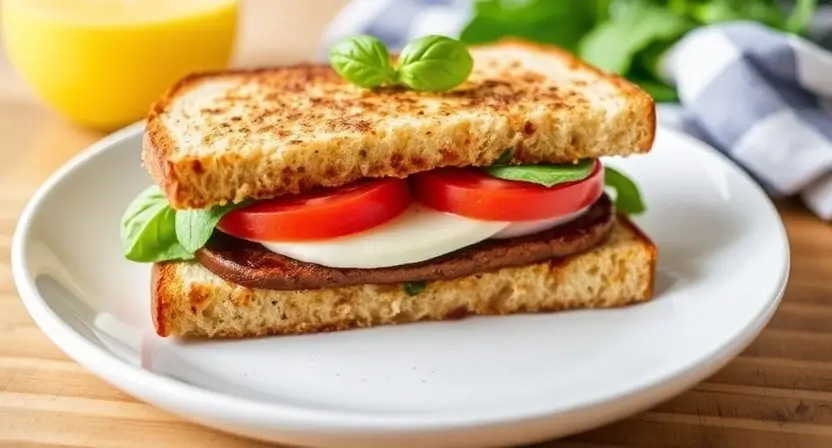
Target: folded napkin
762 97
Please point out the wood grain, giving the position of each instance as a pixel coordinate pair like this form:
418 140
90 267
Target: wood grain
778 393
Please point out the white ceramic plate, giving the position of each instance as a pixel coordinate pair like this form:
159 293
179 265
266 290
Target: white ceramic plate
478 382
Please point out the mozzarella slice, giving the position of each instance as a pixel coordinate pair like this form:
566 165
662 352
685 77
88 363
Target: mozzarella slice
418 234
522 228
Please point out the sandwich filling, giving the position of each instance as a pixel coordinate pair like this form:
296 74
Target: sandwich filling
254 265
435 225
438 224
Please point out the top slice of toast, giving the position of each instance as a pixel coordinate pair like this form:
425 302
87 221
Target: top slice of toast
257 134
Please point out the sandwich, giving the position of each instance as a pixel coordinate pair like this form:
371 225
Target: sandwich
290 200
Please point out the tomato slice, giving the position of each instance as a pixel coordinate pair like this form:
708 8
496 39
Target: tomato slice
471 192
320 214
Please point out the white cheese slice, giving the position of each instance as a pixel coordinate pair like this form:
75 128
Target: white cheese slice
418 234
521 228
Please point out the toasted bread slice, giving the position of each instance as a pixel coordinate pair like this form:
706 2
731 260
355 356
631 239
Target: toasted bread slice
189 300
257 134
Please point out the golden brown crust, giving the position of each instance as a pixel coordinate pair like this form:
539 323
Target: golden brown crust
649 246
254 134
160 277
645 102
189 301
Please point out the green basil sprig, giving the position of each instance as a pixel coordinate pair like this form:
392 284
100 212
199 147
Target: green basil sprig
152 231
195 227
431 63
434 64
148 231
362 60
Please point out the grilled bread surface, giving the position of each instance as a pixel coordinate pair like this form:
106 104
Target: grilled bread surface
256 134
190 301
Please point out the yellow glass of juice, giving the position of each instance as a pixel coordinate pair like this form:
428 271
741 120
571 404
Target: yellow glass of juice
101 63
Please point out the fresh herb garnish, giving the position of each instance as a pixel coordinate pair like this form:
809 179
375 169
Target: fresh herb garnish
430 63
362 60
152 231
148 232
546 175
627 195
434 64
414 288
195 227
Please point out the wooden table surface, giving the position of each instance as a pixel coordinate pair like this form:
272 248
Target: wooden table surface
778 393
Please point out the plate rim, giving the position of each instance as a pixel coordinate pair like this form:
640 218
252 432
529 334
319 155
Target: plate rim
141 383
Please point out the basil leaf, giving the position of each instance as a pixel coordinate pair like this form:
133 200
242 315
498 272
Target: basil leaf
414 288
434 63
362 60
546 175
627 195
148 231
195 227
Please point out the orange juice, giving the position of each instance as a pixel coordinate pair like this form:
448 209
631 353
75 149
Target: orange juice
101 63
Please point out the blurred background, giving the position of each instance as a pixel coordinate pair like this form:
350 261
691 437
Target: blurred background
38 137
77 52
74 70
98 63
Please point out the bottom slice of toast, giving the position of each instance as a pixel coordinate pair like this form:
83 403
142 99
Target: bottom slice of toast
189 300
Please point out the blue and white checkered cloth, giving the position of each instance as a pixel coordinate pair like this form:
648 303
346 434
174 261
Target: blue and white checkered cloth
761 97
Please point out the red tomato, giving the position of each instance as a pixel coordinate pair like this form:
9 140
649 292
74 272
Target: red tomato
473 193
320 214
